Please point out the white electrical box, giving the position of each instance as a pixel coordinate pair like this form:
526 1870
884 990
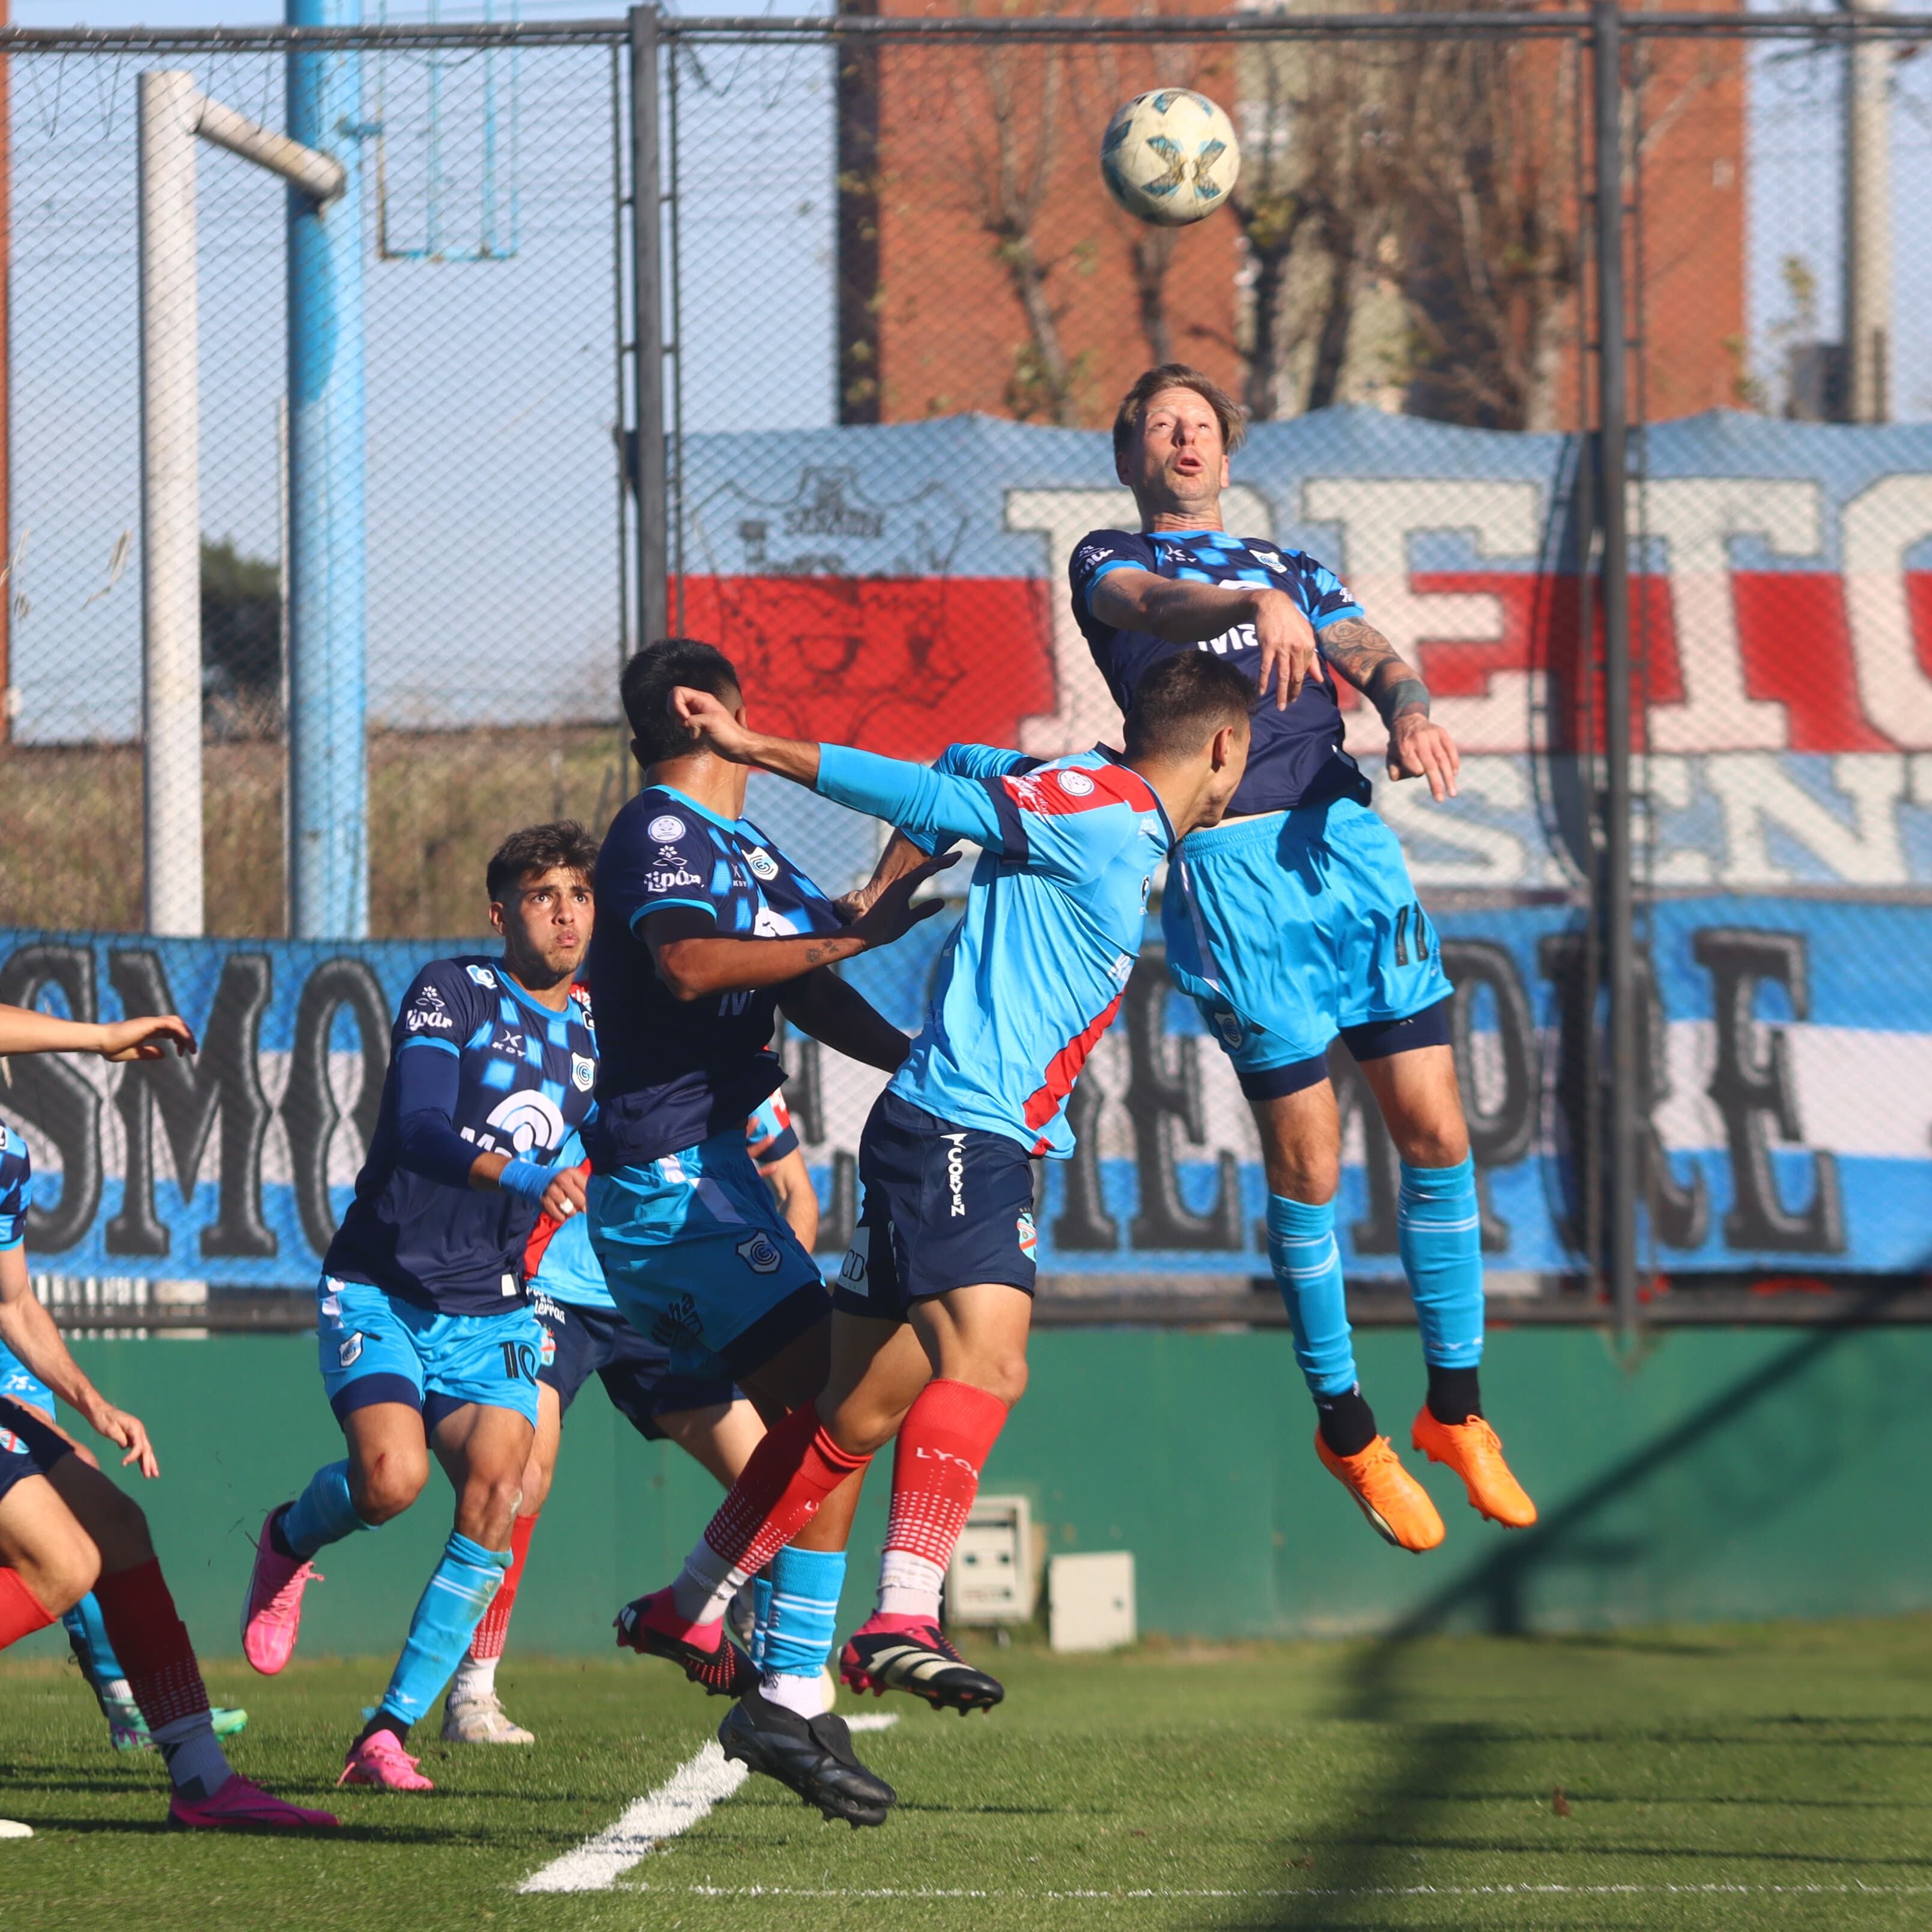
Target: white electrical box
990 1578
1090 1601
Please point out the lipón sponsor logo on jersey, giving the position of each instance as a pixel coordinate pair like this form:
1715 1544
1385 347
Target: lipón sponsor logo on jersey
428 1010
668 878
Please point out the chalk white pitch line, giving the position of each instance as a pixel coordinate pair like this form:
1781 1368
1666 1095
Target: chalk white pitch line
684 1799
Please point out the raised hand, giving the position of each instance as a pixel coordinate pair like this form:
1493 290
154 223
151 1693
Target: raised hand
892 915
711 725
1289 649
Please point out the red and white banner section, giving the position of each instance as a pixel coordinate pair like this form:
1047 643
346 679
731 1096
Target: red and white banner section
903 586
1785 1093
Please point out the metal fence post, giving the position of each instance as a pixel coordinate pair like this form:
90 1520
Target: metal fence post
647 327
1618 904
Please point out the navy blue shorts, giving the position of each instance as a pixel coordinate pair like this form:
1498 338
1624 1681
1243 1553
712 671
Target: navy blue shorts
945 1207
579 1342
28 1446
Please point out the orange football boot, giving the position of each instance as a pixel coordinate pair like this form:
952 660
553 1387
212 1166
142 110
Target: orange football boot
1396 1505
1473 1450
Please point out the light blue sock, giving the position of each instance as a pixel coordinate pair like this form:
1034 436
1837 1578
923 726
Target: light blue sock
322 1513
761 1610
800 1628
1307 1269
1440 1230
450 1608
88 1633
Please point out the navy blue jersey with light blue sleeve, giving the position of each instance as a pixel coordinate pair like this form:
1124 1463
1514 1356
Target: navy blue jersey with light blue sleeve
1032 974
676 1072
476 1066
1297 757
17 1187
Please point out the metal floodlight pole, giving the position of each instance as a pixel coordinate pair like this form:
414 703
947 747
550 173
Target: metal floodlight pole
648 466
1613 510
327 644
1867 220
172 115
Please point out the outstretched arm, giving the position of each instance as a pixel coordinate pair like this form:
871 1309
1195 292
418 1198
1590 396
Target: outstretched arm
1417 747
28 1330
148 1037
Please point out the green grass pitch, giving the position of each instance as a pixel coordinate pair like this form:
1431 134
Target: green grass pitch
1765 1777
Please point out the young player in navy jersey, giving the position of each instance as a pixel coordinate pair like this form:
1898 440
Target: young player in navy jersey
583 1335
934 1301
1303 924
426 1336
707 930
67 1534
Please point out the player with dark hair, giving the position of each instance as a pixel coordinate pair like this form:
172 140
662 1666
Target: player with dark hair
934 1301
1303 925
427 1340
708 931
584 1335
67 1534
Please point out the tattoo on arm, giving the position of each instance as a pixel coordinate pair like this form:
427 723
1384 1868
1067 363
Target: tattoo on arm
1369 661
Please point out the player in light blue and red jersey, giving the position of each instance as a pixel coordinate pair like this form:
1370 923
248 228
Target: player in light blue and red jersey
425 1335
1302 926
932 1307
68 1535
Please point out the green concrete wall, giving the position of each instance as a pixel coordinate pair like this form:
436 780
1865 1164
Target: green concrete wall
1725 1475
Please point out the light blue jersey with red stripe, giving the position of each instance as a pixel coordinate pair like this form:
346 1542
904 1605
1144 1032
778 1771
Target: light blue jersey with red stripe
1032 974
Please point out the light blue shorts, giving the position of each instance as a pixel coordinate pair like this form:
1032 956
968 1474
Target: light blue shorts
1309 922
378 1348
698 1258
19 1383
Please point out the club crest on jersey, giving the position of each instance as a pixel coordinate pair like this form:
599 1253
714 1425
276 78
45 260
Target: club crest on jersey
583 1073
760 1253
1029 1235
664 827
1076 783
482 975
350 1352
763 865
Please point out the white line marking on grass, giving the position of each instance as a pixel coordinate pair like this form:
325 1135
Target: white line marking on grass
684 1798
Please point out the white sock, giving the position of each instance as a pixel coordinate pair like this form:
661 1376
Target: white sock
118 1690
475 1677
809 1697
197 1763
705 1585
909 1586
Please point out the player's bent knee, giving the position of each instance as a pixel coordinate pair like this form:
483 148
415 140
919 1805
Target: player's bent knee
386 1489
487 1508
1003 1377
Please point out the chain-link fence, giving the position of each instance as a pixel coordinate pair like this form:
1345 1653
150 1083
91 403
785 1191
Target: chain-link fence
1683 889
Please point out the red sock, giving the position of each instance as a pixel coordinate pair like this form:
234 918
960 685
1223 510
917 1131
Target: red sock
790 1473
943 1444
493 1631
21 1612
152 1643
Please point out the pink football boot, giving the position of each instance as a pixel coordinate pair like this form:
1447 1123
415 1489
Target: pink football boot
380 1759
271 1620
241 1806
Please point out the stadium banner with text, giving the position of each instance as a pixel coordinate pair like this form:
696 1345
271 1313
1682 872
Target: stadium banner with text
1785 1095
903 585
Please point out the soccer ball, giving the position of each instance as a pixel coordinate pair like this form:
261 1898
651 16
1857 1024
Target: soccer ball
1170 156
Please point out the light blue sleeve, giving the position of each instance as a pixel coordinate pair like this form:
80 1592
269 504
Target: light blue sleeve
916 799
975 761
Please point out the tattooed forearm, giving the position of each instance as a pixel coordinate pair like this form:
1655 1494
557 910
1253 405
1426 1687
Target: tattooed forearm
1369 661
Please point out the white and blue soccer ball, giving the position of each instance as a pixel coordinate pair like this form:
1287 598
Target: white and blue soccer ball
1170 156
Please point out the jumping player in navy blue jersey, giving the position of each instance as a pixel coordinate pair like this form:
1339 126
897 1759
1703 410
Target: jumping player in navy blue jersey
934 1301
67 1534
1301 924
426 1336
